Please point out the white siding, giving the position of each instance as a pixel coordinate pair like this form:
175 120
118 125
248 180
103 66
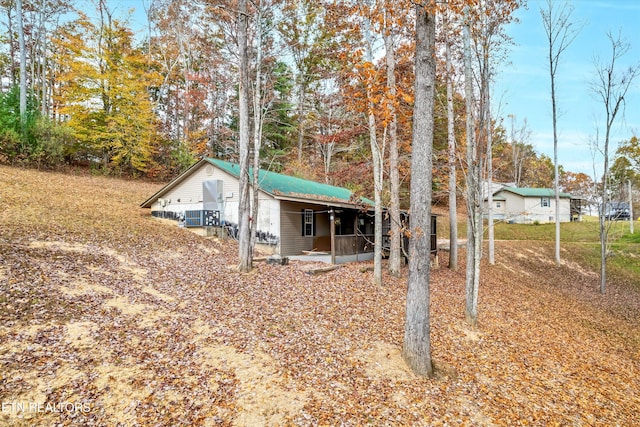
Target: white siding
187 195
527 210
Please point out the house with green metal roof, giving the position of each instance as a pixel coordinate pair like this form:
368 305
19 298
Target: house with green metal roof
295 215
531 205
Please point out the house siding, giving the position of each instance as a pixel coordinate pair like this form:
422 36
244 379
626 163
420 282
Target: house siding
527 210
189 193
292 242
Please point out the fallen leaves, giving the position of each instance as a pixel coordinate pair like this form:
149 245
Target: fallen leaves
145 323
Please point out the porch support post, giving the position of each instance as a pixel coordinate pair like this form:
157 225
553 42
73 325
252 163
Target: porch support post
332 226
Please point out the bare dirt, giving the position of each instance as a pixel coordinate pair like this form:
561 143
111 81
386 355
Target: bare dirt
111 317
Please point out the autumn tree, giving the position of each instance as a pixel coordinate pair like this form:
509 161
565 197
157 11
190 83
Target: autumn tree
578 184
630 149
416 348
361 80
103 92
610 86
560 33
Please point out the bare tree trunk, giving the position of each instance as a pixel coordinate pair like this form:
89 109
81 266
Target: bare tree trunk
604 230
244 236
451 138
394 176
489 136
377 178
378 155
23 67
560 34
630 208
44 102
474 214
610 87
257 132
301 122
416 349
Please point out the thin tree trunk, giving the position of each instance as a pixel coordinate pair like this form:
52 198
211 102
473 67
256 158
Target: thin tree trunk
556 177
378 154
244 244
23 67
377 178
451 139
474 215
604 230
630 208
416 349
257 133
492 255
394 176
301 122
560 34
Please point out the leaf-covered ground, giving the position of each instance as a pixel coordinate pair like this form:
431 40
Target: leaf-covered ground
111 317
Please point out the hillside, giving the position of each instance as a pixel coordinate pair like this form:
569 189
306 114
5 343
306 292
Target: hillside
110 316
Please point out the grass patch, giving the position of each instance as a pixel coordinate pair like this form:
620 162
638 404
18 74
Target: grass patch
581 241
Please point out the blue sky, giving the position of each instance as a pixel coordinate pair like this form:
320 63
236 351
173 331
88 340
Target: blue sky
522 86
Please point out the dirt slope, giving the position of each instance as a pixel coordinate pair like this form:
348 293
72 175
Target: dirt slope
110 317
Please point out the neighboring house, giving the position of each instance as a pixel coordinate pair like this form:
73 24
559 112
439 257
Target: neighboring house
531 205
294 214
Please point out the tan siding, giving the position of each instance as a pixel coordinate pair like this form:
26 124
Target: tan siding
292 242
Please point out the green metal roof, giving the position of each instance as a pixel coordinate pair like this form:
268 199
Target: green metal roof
278 184
534 192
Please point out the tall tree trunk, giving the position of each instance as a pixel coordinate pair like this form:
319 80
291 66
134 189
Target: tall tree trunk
487 130
451 140
416 349
44 101
604 230
23 67
244 232
377 179
611 87
630 207
560 33
257 131
301 121
378 155
394 175
474 213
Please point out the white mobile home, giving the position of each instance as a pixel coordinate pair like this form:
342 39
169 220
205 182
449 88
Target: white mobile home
530 205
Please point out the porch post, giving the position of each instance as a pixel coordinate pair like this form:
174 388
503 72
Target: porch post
332 226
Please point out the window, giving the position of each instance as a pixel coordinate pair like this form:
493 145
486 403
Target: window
498 204
307 224
544 202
